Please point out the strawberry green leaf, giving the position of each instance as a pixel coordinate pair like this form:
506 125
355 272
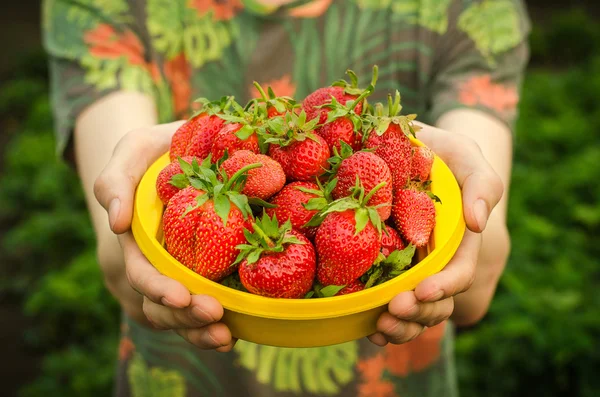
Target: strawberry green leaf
222 207
434 197
309 294
375 219
260 203
361 217
254 256
245 132
233 281
330 290
317 203
374 277
382 127
185 166
180 181
240 201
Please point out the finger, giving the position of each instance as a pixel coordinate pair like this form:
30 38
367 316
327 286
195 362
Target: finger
214 336
398 331
144 278
378 339
481 186
405 306
229 347
115 187
203 310
457 276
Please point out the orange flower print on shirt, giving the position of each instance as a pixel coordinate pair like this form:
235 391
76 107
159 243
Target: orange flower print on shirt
313 9
281 87
106 43
371 373
480 90
416 355
178 73
222 10
126 347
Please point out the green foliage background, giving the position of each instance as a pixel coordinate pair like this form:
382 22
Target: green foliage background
542 331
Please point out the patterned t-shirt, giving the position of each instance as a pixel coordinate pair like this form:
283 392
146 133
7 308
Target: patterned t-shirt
440 54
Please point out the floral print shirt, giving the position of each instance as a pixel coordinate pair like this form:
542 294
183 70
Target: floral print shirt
440 54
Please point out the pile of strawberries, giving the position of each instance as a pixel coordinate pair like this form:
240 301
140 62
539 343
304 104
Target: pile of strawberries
297 200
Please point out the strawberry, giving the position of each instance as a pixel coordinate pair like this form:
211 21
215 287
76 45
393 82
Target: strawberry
204 223
166 185
391 241
276 262
341 91
370 170
414 214
422 160
298 202
388 136
354 286
348 239
195 137
262 182
232 138
302 154
275 106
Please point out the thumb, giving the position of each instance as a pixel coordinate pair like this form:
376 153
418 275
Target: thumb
115 187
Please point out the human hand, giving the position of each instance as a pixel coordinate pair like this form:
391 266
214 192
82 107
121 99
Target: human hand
167 304
432 301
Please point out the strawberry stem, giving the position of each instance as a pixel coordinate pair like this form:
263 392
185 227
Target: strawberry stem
239 173
261 91
262 234
373 191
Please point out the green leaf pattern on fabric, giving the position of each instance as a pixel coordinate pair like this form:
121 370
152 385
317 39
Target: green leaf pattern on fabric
493 25
322 370
110 10
431 14
155 381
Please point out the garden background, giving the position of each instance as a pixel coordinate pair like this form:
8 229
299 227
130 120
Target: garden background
58 332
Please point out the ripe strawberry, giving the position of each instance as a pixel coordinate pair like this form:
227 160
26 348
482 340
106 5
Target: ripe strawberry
340 130
354 286
276 262
166 186
348 239
262 182
341 90
302 154
195 137
391 241
228 140
344 254
204 223
388 136
414 215
422 160
298 202
370 170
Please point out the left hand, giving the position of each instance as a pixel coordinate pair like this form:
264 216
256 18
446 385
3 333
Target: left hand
432 302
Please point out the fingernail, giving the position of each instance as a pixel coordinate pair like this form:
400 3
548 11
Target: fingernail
480 210
113 212
202 316
168 303
435 296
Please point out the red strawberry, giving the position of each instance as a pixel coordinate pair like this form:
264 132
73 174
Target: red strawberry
344 254
354 286
389 138
228 140
262 182
322 96
391 241
414 215
195 137
371 170
202 228
275 106
278 262
166 187
290 205
340 130
302 154
422 160
341 91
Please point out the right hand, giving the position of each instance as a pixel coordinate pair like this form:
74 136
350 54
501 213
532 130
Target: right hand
167 304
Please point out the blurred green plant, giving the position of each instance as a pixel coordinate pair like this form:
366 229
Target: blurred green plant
48 250
543 328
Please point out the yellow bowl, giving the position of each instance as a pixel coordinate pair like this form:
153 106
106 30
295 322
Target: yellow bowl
302 322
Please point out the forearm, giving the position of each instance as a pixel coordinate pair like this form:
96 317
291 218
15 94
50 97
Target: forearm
97 131
495 141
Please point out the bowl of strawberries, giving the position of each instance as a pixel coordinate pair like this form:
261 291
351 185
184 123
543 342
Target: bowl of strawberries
303 219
